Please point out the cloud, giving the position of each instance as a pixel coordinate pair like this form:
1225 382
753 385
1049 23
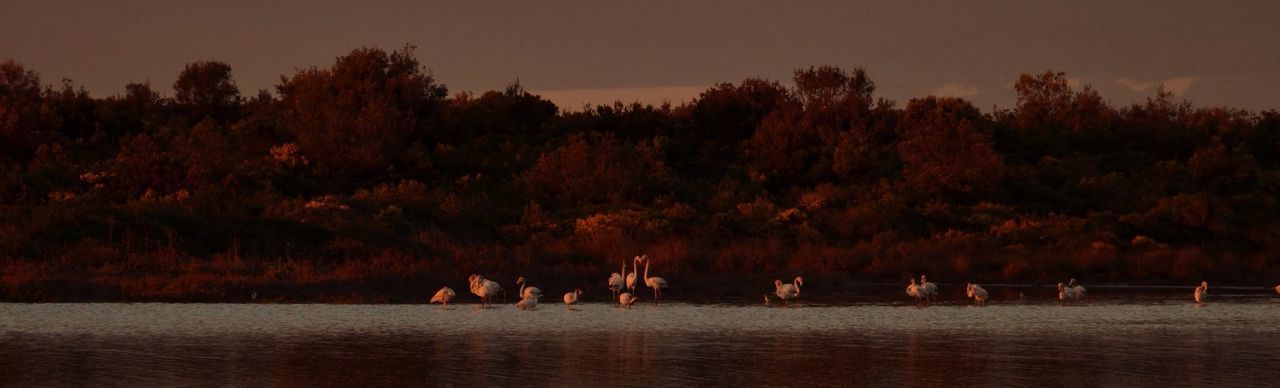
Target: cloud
1176 86
575 99
1134 85
955 90
1179 85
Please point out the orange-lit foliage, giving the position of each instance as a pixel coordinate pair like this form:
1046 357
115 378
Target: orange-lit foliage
944 150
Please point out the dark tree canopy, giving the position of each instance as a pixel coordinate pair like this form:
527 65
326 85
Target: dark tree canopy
368 171
206 90
356 117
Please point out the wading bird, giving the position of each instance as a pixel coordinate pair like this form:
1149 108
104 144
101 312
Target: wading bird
1202 292
484 288
913 289
786 291
443 296
976 292
615 280
655 283
626 299
929 290
528 303
1077 290
1066 294
571 298
631 277
526 292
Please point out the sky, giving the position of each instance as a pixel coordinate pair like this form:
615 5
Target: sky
1212 53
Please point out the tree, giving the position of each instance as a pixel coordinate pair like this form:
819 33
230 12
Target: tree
205 90
1036 126
355 117
139 109
727 114
1043 99
944 148
24 121
593 169
834 98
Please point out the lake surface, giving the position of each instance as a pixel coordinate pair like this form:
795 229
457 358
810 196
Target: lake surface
1145 342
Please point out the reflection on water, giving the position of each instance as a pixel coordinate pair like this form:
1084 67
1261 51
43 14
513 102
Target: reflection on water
1100 343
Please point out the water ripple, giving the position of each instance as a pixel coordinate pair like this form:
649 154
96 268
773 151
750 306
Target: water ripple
1152 342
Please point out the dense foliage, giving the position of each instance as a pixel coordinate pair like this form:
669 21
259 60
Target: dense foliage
371 161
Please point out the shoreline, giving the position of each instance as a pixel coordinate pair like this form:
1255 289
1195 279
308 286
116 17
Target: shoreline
684 289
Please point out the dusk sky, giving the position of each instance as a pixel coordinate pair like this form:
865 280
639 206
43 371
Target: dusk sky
1212 53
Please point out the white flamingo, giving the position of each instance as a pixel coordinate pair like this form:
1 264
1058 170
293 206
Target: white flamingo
626 299
526 292
484 288
1202 292
1077 290
443 296
913 289
787 292
615 280
655 283
527 303
631 277
571 298
1066 294
929 290
976 292
492 288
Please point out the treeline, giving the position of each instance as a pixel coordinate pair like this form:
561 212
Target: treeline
369 169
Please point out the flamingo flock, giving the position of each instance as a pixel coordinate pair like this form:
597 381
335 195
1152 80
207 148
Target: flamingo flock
623 286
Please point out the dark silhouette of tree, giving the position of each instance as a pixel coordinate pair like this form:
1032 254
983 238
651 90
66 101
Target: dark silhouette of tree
362 178
140 109
206 90
592 168
498 134
945 148
835 99
24 123
727 114
356 117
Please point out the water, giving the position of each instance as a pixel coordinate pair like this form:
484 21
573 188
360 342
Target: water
1146 342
